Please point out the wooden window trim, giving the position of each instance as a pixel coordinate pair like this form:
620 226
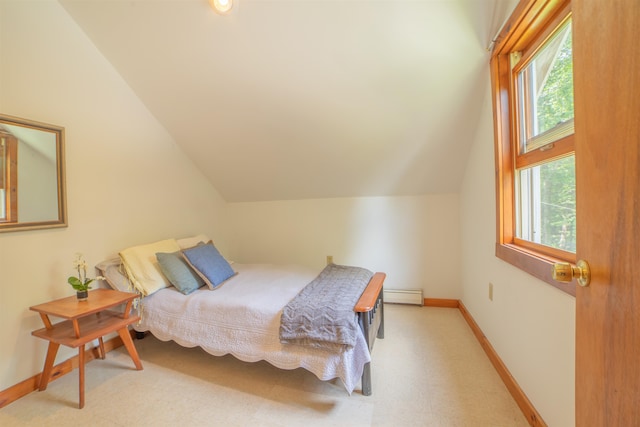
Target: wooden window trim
10 180
529 26
560 148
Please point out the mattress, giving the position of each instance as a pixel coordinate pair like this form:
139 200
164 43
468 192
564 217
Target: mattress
242 318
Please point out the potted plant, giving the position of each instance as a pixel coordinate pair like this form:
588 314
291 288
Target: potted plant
81 283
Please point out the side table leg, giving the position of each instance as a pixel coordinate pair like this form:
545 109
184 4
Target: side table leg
48 365
128 343
81 374
102 352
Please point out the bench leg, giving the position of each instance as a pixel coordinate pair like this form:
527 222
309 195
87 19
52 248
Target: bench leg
381 314
366 380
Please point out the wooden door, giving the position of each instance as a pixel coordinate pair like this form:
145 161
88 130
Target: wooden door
607 120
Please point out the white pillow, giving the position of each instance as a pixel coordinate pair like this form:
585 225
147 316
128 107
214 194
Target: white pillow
142 267
189 242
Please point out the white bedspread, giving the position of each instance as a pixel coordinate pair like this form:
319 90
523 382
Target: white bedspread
242 318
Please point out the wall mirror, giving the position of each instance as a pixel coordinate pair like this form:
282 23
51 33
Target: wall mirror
32 185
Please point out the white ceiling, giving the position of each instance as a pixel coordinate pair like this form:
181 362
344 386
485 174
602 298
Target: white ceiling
296 99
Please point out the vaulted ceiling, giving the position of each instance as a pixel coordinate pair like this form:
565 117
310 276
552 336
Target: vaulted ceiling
295 99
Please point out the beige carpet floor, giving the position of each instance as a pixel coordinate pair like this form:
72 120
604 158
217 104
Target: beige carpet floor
428 371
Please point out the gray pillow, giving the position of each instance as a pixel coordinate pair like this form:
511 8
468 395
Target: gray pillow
178 272
113 273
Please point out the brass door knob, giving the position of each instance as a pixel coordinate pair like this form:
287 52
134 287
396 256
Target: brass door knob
565 272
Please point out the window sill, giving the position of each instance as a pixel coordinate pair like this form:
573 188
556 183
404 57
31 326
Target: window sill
535 264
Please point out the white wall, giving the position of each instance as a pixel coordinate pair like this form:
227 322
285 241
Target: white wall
128 183
414 239
530 324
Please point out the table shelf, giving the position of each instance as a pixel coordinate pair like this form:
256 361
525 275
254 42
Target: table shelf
91 328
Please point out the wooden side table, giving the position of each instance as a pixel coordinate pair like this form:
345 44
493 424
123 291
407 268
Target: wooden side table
85 321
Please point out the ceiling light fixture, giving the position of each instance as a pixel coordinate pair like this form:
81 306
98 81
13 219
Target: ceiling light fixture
223 7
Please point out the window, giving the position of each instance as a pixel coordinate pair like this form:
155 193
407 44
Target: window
532 80
8 177
545 193
3 173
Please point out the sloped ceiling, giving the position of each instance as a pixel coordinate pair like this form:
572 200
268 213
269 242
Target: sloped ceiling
296 99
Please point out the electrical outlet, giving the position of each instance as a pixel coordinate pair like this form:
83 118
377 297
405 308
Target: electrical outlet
491 291
329 259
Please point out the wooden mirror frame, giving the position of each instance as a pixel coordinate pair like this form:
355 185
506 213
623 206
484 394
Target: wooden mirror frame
60 220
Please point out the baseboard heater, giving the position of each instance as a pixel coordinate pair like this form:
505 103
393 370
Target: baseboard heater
404 296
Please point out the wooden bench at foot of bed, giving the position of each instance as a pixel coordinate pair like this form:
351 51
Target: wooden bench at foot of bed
370 310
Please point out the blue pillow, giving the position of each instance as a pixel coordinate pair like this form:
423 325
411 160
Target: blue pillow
175 268
209 264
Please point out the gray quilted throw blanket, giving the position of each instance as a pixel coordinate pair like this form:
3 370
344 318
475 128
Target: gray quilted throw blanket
322 315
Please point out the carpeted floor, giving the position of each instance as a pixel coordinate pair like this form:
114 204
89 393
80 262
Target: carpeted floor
428 371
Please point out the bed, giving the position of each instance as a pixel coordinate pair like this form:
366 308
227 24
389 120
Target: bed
242 316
